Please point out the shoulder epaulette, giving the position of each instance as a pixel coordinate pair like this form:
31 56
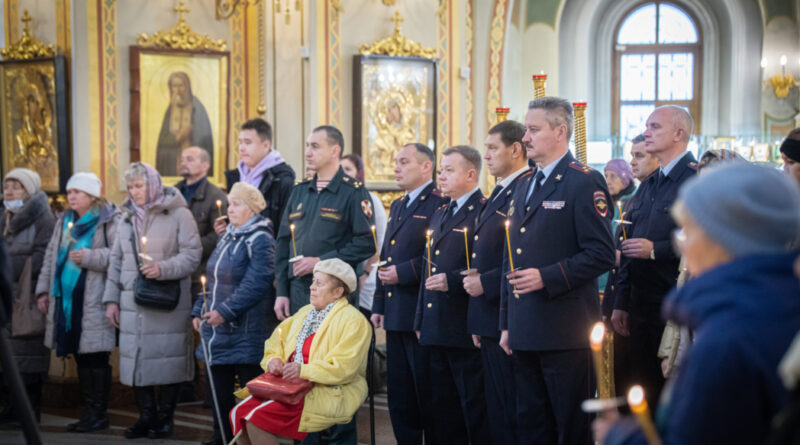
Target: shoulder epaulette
585 169
354 182
436 192
692 165
526 174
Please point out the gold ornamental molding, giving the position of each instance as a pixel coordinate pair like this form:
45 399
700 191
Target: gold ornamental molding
180 36
27 47
397 44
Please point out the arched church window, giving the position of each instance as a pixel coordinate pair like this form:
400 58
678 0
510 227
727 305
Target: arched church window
657 51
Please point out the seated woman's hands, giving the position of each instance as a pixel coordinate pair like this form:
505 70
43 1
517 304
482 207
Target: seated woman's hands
275 366
291 370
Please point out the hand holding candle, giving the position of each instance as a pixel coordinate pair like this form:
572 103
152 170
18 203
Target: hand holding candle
639 407
219 208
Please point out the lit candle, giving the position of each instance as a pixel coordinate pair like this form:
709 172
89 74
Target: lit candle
783 65
428 238
294 247
466 247
69 226
596 342
639 407
622 221
510 254
219 208
203 283
280 336
374 238
144 245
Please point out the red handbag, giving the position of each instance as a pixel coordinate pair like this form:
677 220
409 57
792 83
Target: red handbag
272 387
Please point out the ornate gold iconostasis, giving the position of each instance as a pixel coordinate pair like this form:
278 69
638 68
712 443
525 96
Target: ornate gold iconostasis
290 60
33 110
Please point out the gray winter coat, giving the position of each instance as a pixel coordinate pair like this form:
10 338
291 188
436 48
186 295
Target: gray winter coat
97 334
155 346
29 229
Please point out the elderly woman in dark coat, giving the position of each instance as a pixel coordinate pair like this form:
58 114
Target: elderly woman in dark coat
26 228
231 316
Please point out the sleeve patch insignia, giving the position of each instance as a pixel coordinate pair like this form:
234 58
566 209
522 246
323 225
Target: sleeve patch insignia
366 207
600 203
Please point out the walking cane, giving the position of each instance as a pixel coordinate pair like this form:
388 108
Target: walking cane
208 366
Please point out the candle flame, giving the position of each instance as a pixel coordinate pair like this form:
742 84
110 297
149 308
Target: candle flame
636 398
508 223
429 233
219 203
373 227
144 240
465 229
203 279
280 334
597 335
291 227
783 60
69 225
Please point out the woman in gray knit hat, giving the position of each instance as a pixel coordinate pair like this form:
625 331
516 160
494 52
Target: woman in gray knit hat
737 225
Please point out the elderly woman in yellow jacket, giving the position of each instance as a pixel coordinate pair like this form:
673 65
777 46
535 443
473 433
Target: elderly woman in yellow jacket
326 342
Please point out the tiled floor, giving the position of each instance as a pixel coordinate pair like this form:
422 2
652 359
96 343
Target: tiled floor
193 424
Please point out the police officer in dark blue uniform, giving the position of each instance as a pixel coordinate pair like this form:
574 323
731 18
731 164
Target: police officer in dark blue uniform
395 301
560 236
650 266
455 364
505 158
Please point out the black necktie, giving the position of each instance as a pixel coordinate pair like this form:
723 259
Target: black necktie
661 178
495 192
537 180
401 212
448 212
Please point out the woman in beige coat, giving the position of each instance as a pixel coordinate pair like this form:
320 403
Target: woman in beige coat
155 345
70 291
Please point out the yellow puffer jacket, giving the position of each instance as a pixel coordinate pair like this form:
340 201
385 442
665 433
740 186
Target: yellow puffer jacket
337 363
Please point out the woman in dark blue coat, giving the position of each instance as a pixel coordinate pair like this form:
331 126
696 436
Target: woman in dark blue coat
231 315
738 223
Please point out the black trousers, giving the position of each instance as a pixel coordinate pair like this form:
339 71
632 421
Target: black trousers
224 381
409 388
647 327
501 393
458 398
550 388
